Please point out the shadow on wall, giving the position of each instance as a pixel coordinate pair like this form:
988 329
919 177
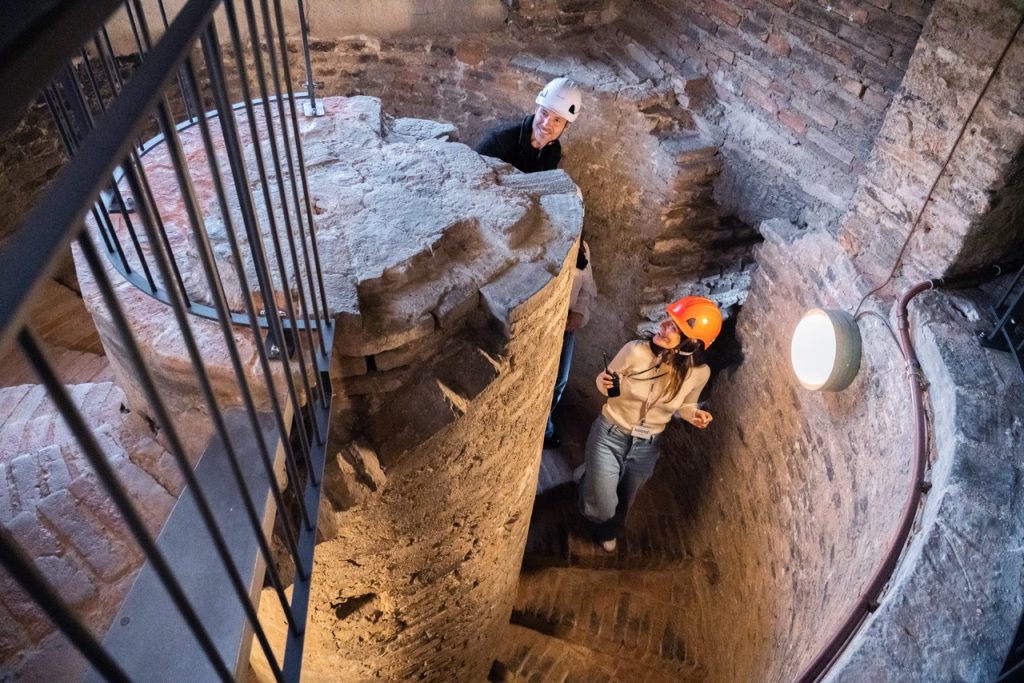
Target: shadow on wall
1001 233
694 471
726 354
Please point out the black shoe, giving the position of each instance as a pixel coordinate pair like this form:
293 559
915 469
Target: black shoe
552 442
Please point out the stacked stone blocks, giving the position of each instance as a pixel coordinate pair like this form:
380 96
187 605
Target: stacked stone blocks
803 86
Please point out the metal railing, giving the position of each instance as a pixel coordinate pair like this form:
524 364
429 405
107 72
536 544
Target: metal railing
1008 333
101 114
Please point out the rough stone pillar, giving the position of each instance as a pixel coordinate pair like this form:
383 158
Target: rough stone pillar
420 579
450 277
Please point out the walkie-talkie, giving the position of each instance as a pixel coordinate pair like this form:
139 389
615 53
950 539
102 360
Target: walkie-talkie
614 390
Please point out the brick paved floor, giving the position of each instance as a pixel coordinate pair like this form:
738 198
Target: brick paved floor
585 615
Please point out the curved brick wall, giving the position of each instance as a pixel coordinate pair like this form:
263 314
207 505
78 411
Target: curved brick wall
790 498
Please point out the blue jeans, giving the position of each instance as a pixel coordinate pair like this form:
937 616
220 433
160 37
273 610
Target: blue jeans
562 379
617 466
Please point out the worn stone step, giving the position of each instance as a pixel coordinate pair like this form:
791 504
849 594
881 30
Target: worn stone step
560 537
655 35
642 57
690 148
694 222
20 402
60 318
534 656
54 506
639 615
697 172
622 65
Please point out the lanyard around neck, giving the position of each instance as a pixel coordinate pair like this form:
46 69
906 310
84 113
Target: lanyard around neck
648 403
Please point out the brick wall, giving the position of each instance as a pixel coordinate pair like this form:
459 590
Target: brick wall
948 152
803 85
30 155
565 15
791 494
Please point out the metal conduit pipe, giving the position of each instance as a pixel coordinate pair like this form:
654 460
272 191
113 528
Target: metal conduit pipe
869 599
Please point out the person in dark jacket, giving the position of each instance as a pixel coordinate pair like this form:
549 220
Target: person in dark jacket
532 144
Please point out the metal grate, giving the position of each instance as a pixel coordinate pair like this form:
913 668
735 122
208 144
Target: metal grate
1008 333
104 203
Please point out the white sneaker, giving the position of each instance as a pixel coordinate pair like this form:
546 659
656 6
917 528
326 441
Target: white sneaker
608 546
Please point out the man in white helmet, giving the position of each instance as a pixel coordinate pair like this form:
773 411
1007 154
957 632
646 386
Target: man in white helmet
532 145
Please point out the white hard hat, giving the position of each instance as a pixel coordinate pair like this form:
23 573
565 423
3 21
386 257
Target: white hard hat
561 96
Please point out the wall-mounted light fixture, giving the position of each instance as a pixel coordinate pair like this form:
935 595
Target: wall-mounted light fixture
825 351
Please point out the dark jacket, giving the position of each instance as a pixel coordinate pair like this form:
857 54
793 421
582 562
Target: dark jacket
512 145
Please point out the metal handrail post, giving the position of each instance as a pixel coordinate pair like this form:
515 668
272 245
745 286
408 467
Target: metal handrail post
310 107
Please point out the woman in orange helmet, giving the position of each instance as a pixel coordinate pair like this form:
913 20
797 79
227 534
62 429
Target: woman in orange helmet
657 378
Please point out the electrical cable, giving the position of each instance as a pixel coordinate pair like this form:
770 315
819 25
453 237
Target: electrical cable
931 190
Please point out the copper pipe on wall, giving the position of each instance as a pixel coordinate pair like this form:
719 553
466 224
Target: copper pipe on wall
869 599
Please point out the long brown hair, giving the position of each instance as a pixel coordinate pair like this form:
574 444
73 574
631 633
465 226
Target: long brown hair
678 365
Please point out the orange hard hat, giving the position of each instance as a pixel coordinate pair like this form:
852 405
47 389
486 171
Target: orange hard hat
697 317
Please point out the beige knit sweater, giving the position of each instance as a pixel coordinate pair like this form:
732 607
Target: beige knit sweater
640 383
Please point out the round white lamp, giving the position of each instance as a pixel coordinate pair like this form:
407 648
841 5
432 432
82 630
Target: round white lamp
825 351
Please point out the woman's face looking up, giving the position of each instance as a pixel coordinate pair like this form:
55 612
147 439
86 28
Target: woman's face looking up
668 335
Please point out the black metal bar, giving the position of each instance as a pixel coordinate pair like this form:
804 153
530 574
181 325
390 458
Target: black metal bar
39 37
279 19
310 85
102 229
80 114
1009 289
1005 310
282 194
111 67
282 118
220 300
161 232
163 263
181 82
231 140
106 229
56 113
115 84
108 225
129 225
92 79
147 37
72 132
28 577
250 317
135 29
99 209
307 543
105 473
248 212
31 252
81 120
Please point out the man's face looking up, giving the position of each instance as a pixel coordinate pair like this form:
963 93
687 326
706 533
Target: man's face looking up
547 126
